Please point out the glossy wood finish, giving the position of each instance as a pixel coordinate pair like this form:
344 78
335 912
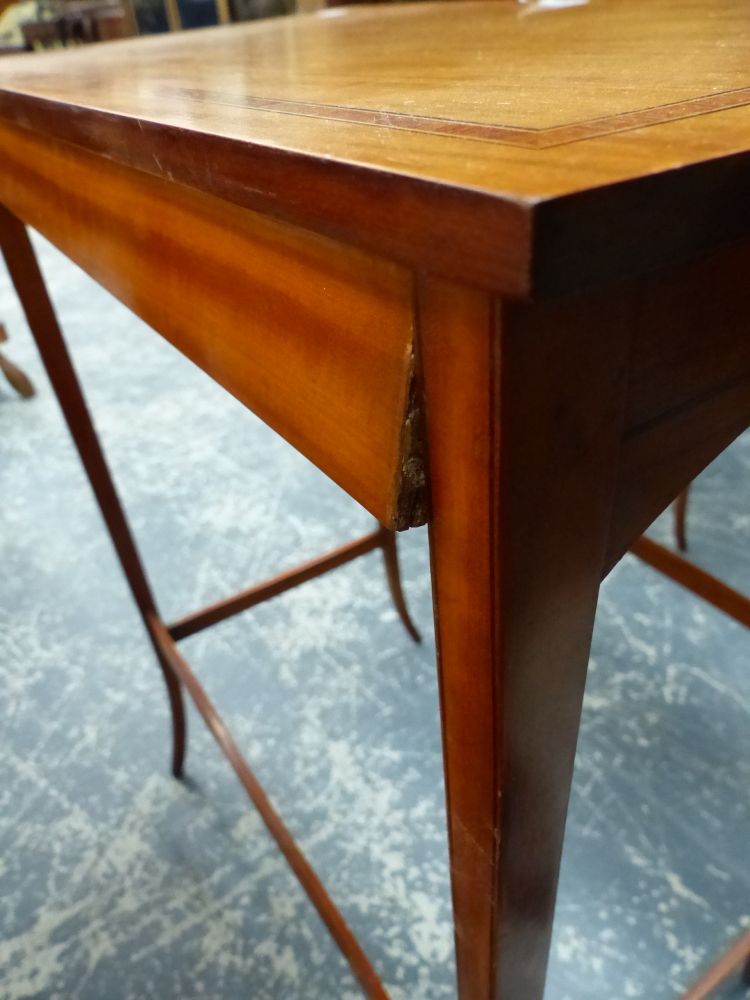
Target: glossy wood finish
689 384
522 471
269 311
351 122
458 346
452 219
585 417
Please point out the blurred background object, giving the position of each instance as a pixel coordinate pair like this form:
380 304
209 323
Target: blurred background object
44 24
20 382
12 17
174 15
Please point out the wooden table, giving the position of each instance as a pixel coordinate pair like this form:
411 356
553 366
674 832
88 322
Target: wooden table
504 245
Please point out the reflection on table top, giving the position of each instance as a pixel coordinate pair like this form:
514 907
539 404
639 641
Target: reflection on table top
523 102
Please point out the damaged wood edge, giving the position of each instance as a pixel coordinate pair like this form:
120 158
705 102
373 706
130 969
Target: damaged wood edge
411 488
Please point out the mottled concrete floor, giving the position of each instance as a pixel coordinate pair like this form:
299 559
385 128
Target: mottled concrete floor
118 882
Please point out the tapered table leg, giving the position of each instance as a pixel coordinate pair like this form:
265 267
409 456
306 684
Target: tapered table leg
29 284
522 474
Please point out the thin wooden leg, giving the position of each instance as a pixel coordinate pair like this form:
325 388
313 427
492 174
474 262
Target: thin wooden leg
695 579
732 959
29 284
390 557
522 475
680 519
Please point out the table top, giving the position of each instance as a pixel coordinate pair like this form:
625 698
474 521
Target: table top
539 128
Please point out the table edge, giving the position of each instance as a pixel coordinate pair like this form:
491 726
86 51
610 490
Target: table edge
520 249
462 233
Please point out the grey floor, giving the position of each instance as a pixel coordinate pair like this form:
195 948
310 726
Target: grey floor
118 882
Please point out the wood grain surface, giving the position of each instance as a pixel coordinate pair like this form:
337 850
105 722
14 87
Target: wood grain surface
523 471
557 432
313 337
458 345
540 213
496 139
689 384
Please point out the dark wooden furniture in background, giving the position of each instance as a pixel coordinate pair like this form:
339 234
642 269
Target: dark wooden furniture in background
405 241
79 22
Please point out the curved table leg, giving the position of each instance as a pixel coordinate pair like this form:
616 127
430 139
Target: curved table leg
390 557
680 519
29 284
20 382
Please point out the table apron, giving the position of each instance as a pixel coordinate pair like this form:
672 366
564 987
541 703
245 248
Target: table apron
313 336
